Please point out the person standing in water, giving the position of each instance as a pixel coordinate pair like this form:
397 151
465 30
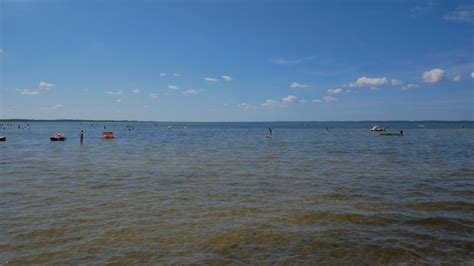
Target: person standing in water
81 136
270 132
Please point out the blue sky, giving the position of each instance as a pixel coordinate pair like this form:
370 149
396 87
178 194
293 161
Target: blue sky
237 60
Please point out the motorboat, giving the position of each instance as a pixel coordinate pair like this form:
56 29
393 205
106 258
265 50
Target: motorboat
3 138
377 128
57 137
107 135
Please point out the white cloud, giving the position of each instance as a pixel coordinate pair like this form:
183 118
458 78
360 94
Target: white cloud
461 14
369 82
226 78
45 86
136 91
395 82
210 79
316 101
154 96
173 88
290 99
296 85
119 92
410 86
190 92
434 75
329 99
335 91
282 61
271 103
29 92
176 75
303 101
422 9
457 78
57 107
472 75
162 74
246 106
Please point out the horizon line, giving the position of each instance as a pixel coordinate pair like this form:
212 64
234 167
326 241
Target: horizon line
261 121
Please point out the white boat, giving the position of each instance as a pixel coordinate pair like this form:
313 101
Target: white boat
377 128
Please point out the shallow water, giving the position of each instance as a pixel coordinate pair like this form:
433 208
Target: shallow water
224 193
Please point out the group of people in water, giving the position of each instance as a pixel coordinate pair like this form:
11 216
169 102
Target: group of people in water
183 131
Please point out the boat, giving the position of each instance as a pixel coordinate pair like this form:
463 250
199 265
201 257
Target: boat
57 137
3 138
377 128
107 135
392 133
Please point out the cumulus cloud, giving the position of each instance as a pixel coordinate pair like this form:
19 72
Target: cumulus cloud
136 91
154 96
45 86
246 106
29 92
290 99
271 103
409 86
369 82
395 82
190 92
226 78
173 88
462 14
329 99
303 101
119 92
457 78
316 101
334 91
434 75
210 79
296 85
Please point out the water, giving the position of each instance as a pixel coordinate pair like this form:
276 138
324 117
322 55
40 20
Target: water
224 193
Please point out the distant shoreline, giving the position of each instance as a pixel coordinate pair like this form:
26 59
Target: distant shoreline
313 121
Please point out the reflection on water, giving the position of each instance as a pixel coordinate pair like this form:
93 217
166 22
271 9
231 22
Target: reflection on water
224 193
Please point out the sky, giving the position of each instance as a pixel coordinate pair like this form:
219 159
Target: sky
237 60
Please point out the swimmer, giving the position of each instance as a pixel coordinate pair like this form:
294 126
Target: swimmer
270 132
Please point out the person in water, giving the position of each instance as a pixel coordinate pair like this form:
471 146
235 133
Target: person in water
270 132
81 136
